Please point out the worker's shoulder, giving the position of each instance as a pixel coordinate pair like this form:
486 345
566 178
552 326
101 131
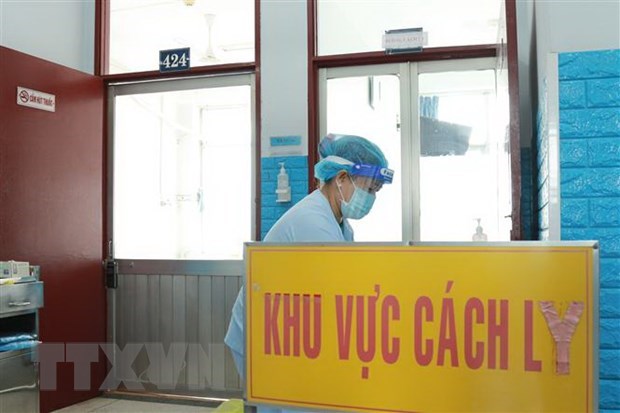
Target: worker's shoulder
313 205
310 220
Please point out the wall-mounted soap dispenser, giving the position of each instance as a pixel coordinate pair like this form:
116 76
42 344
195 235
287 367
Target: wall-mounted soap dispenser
283 190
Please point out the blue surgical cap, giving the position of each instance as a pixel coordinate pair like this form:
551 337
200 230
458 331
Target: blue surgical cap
355 149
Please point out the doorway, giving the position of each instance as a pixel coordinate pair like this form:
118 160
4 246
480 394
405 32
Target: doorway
181 207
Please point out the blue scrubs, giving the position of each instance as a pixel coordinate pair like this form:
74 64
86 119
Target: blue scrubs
310 220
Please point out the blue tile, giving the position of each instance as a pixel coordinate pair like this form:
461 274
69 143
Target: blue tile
610 364
298 162
575 213
585 65
574 153
268 213
579 123
298 175
266 226
609 303
572 94
577 234
608 238
575 183
268 175
610 333
291 161
526 155
604 152
299 187
268 199
610 272
609 394
268 187
605 212
607 182
268 162
585 183
603 92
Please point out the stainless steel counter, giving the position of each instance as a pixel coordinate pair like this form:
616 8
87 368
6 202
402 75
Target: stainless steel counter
19 376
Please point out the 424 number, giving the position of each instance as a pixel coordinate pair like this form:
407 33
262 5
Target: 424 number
174 59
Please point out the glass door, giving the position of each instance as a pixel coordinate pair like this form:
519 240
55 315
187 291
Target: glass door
464 154
444 129
366 101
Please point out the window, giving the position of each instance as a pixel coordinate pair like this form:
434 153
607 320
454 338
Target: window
216 31
355 26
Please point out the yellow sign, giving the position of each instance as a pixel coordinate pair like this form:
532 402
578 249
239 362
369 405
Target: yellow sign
386 328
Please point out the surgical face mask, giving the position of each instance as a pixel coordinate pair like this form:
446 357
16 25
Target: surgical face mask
359 205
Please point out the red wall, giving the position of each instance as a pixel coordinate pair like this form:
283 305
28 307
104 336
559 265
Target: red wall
51 203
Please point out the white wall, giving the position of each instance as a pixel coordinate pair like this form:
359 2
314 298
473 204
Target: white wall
526 50
284 72
570 26
59 31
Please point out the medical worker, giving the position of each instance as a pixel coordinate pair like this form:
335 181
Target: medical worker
351 172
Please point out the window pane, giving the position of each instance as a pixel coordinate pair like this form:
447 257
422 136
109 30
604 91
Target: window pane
354 26
182 174
369 107
216 31
464 168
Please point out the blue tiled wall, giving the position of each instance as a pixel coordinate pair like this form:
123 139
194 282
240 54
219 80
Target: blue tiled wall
297 170
590 187
527 207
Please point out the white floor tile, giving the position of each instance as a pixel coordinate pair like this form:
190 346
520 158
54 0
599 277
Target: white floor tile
108 405
86 406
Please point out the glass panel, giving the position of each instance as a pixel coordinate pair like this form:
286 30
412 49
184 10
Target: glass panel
354 26
370 107
465 165
216 31
182 174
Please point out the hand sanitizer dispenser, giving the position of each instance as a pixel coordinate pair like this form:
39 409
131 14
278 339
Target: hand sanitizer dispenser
283 191
479 235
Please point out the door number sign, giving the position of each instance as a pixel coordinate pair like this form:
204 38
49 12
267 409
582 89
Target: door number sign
174 60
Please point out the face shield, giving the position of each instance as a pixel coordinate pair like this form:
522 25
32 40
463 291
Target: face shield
370 178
